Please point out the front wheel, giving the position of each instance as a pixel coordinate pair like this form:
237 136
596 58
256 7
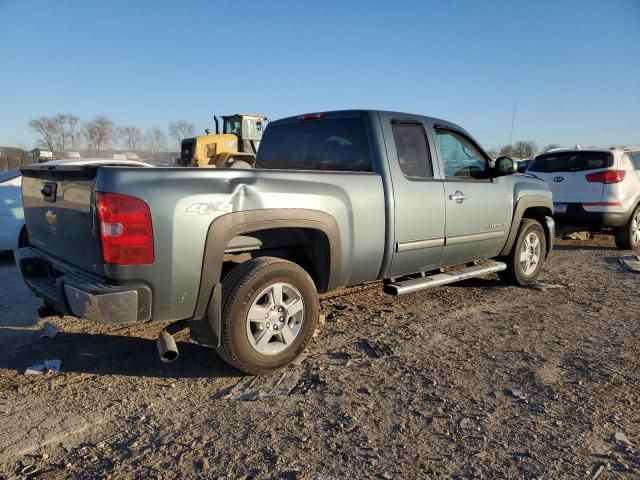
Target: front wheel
628 236
269 313
526 260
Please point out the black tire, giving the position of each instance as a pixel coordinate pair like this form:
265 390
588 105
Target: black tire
23 239
515 273
239 290
241 164
626 236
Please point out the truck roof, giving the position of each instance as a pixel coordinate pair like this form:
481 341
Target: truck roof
359 112
385 115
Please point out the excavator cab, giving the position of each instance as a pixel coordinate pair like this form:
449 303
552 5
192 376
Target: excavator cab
236 146
248 129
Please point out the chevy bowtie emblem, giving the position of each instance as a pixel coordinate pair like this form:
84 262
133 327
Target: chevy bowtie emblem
52 218
558 179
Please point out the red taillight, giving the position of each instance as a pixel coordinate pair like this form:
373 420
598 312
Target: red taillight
125 229
312 116
607 176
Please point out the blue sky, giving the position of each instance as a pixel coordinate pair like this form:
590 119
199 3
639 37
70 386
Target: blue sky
573 65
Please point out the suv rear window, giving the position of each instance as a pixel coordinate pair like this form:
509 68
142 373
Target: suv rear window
335 144
571 162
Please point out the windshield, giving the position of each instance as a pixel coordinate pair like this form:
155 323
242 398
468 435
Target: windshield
233 125
571 162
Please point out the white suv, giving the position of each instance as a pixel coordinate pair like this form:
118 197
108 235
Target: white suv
594 189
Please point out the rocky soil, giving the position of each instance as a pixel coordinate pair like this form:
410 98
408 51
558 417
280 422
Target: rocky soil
475 380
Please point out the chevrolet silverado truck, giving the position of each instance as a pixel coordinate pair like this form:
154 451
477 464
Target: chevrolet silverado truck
239 256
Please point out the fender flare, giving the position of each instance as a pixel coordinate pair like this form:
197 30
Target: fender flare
522 205
225 227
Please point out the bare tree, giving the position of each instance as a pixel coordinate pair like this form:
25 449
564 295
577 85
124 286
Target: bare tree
73 131
506 151
525 149
181 129
156 140
46 128
131 137
521 149
98 132
551 146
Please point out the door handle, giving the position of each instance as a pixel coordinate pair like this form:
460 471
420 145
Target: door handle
459 197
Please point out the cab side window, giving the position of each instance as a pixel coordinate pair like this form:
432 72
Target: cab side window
460 157
413 150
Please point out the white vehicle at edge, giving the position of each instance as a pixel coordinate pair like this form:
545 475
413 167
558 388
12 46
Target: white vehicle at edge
12 230
594 189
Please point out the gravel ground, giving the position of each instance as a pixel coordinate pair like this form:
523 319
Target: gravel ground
475 380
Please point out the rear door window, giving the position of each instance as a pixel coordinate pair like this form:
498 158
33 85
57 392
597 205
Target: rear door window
571 162
635 156
339 144
412 150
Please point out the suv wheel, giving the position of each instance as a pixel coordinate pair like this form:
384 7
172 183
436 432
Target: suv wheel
628 237
269 313
528 254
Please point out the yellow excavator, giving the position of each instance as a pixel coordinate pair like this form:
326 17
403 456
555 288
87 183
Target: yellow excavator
236 146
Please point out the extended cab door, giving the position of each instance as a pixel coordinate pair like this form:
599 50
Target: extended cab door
478 207
418 197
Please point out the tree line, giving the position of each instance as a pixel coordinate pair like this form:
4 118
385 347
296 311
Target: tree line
521 149
64 131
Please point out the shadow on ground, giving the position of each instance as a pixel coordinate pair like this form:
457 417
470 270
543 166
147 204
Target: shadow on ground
101 354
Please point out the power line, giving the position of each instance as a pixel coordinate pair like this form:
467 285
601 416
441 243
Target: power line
513 121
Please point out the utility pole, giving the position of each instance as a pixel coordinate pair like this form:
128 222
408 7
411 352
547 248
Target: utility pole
513 121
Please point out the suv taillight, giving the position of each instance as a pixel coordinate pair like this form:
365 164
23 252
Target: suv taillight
125 229
608 176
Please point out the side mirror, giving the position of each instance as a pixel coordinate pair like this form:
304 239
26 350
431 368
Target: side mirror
505 166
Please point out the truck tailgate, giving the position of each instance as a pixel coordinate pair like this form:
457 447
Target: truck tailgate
59 210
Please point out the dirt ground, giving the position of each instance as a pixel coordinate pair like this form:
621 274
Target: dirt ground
475 380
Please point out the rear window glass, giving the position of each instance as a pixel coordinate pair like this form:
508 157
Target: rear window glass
334 144
412 150
571 162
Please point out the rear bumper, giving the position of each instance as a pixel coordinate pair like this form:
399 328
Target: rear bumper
577 216
71 291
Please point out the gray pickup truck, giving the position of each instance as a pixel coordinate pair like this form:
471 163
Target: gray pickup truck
239 256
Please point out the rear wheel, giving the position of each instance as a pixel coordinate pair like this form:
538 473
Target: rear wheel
525 262
628 236
269 313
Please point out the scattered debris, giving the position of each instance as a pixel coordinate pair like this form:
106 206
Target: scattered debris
29 469
49 330
311 379
517 393
47 366
258 388
543 287
375 349
621 437
49 474
598 472
631 263
577 236
466 424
